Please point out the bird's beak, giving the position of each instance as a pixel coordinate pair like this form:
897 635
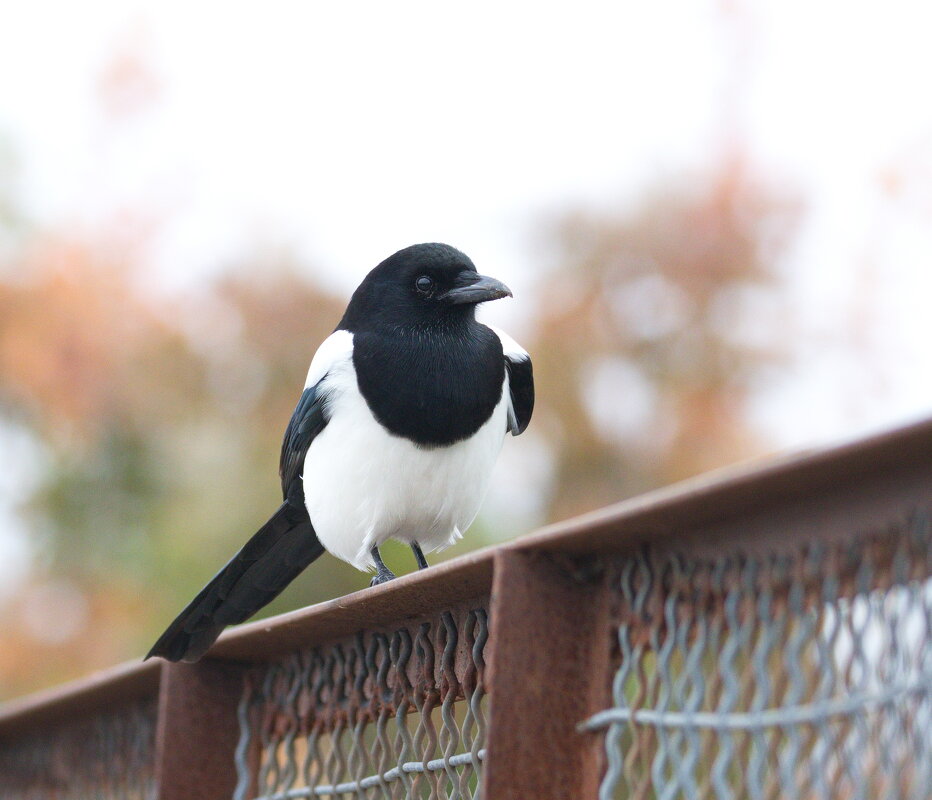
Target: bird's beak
475 288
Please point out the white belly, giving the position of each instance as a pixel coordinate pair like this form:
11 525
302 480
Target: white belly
363 486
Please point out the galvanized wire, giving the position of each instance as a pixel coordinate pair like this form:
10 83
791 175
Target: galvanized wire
110 756
801 674
382 715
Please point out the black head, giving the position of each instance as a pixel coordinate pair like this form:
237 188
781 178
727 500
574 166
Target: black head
421 285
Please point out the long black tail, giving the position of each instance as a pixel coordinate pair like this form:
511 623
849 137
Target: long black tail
255 576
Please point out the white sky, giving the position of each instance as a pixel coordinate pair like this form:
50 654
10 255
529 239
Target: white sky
348 130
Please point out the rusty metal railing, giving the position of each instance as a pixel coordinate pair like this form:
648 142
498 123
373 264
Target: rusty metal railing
800 673
401 712
759 633
94 739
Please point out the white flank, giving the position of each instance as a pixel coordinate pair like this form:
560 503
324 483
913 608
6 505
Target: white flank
336 348
364 486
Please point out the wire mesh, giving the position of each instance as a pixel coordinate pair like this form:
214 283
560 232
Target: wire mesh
383 715
805 674
110 756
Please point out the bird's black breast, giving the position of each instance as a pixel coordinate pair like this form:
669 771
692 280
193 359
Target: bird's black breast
432 385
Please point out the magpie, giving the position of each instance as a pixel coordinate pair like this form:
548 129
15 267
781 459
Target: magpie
402 417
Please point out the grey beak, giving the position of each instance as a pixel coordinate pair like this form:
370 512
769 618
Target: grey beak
480 289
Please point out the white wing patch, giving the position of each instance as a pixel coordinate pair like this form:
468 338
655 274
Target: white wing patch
335 349
513 424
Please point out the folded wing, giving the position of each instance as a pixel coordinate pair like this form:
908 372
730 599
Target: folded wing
520 383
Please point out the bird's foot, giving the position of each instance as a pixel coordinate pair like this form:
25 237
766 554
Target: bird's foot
382 576
382 573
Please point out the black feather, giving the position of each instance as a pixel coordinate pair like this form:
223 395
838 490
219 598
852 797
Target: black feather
268 562
521 386
434 386
306 422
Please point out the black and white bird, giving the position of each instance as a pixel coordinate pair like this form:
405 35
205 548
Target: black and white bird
402 418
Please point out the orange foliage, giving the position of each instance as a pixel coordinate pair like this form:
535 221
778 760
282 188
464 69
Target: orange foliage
69 332
640 339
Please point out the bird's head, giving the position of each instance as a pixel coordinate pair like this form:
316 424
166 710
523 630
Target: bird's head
422 284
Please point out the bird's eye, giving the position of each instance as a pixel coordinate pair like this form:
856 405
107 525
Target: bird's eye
424 284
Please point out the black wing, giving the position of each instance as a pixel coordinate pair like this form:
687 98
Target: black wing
308 420
521 386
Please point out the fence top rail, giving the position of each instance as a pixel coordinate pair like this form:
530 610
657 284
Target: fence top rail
724 495
755 487
125 682
408 596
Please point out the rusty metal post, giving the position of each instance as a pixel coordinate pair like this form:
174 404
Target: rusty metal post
197 731
549 668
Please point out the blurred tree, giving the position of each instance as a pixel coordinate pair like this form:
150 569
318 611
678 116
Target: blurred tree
655 332
162 419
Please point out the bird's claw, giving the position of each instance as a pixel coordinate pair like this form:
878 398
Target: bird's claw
382 577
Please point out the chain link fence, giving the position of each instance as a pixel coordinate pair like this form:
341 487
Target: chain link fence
397 714
767 635
806 674
108 755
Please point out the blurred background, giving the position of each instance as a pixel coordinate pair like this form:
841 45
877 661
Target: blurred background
715 217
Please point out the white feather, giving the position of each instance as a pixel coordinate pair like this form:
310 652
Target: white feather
336 348
513 351
363 486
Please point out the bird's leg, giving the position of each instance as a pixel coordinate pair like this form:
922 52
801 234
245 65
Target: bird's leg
419 556
383 574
